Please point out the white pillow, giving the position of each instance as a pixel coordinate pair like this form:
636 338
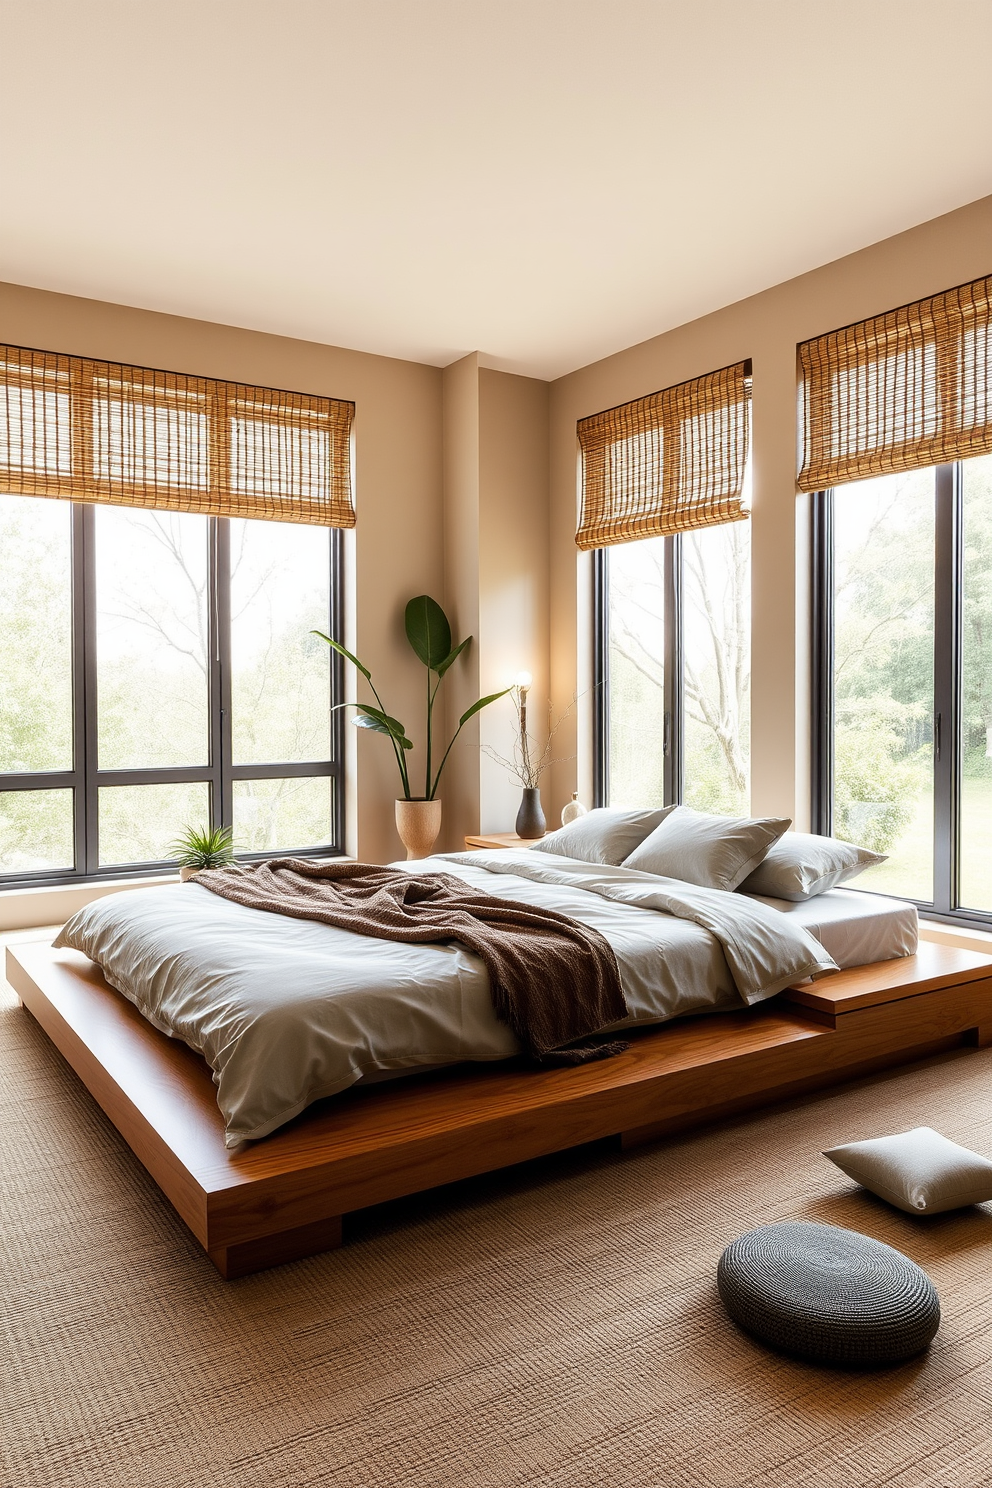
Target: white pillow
716 852
605 835
801 864
918 1171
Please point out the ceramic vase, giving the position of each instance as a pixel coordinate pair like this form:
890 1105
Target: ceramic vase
530 822
572 810
188 871
418 823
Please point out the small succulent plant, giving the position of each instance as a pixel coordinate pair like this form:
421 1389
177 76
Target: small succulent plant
203 847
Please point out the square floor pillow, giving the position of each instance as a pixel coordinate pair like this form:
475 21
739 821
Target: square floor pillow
918 1171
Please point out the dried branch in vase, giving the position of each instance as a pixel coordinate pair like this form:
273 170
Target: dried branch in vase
528 762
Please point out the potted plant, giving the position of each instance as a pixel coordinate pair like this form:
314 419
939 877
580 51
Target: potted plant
202 847
418 817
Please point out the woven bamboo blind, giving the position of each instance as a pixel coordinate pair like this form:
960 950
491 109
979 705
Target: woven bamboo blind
666 463
127 436
906 389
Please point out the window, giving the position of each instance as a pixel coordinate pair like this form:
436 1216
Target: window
896 440
158 670
673 670
903 634
664 502
167 544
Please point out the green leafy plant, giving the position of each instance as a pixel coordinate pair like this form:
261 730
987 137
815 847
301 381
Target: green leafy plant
203 847
429 634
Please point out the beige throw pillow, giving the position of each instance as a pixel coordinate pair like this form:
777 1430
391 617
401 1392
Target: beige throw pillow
605 835
716 852
918 1171
801 864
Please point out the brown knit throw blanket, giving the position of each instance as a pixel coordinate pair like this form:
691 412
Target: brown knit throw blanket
554 981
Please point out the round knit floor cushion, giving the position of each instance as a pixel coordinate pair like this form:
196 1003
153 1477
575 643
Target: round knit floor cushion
828 1295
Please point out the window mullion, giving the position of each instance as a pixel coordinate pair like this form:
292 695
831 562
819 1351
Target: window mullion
947 685
674 700
822 680
220 671
85 616
78 602
600 678
336 619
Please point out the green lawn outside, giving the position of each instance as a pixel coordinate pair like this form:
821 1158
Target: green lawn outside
909 869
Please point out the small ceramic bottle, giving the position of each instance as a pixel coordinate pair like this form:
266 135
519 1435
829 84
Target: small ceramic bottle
573 810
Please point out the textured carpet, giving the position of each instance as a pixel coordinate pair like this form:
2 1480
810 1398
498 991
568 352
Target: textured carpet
555 1325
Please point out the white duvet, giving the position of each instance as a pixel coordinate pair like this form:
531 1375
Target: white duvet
287 1011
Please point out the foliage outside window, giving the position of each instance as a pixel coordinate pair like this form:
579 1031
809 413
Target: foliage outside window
674 691
905 713
158 671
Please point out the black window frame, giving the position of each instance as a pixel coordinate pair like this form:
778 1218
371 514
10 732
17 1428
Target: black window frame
947 730
673 751
85 779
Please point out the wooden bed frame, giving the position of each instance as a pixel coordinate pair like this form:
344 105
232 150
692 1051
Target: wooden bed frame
283 1198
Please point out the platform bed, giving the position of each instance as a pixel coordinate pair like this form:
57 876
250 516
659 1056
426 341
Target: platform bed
284 1197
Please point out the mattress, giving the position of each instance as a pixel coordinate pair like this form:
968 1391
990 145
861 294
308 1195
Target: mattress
854 928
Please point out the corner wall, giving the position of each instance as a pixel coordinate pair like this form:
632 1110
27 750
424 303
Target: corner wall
767 327
460 782
496 580
513 584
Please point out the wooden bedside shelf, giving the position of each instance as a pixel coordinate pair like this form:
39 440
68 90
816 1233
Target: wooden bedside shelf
500 839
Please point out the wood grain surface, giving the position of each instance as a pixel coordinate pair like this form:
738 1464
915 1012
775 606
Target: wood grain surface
283 1197
886 981
497 839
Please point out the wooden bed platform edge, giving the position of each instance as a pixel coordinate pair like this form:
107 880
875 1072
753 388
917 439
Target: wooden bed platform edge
284 1197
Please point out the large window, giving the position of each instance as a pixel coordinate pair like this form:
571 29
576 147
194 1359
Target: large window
673 670
904 708
157 670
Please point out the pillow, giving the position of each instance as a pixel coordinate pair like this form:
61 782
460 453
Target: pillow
918 1171
716 852
801 864
604 835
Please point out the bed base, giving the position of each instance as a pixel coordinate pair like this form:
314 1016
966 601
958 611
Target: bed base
283 1198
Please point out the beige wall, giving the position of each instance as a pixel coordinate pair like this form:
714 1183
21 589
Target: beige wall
461 592
452 480
513 585
948 251
397 550
496 578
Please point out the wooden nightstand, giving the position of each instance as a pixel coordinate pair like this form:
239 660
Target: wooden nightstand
500 839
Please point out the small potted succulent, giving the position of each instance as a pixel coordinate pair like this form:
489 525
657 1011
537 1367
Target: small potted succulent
197 848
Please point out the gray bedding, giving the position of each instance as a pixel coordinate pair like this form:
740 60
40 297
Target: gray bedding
853 927
288 1011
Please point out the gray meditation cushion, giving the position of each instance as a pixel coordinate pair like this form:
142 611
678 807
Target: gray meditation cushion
828 1295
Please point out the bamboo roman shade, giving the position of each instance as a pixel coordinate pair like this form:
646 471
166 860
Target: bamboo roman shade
94 431
666 463
906 389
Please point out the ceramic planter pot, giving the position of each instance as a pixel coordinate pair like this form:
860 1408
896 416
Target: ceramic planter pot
187 871
418 823
530 823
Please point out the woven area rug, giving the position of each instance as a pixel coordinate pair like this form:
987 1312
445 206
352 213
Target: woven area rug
556 1325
